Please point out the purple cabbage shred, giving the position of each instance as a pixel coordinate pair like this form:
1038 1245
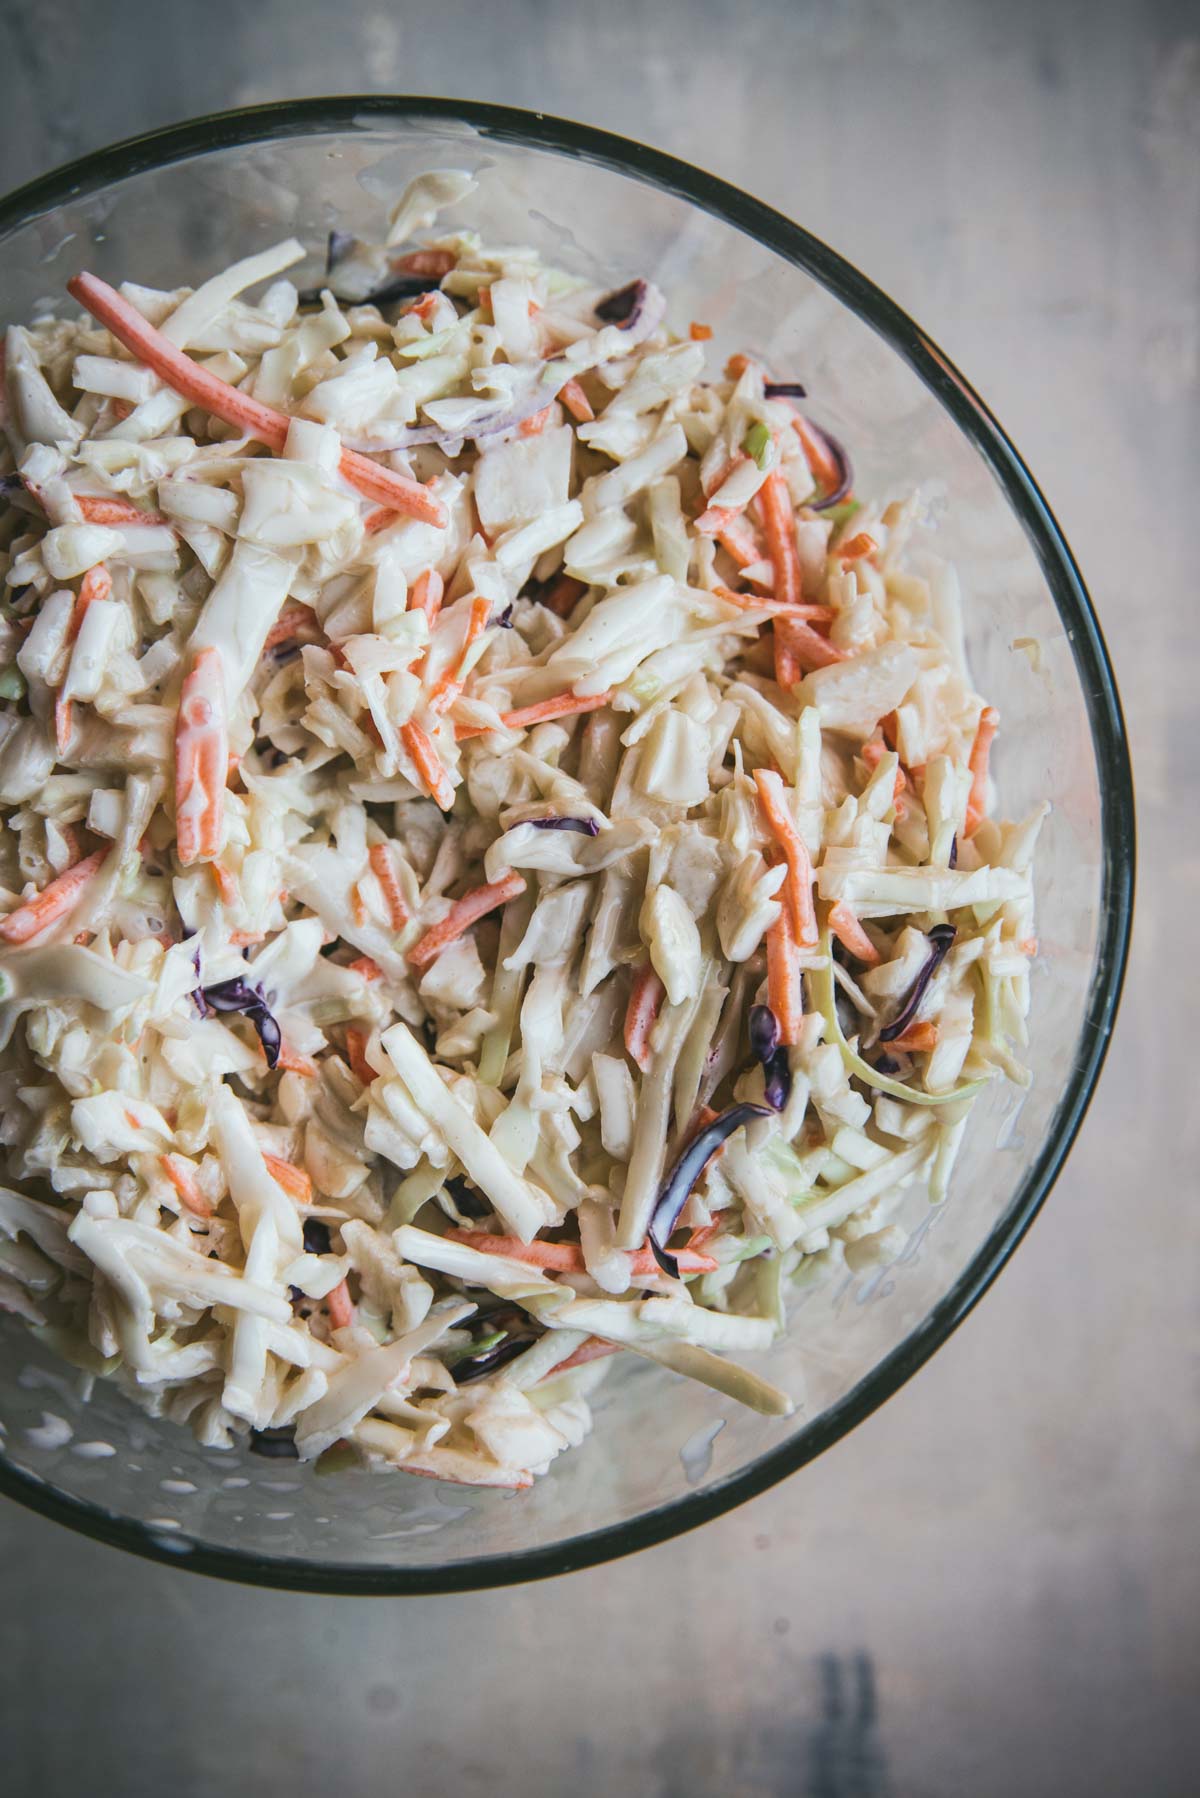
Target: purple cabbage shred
587 827
784 390
767 1049
251 1001
940 939
689 1165
624 306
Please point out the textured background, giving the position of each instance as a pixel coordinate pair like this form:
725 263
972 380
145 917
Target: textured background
993 1586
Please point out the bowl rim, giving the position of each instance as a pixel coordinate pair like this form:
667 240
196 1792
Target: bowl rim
792 243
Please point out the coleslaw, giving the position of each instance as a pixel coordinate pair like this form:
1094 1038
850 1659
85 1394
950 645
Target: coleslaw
499 868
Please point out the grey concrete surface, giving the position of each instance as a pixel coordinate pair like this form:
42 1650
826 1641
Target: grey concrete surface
993 1587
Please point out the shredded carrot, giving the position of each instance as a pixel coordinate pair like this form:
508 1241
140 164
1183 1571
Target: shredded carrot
293 620
370 970
340 1306
737 539
856 548
436 263
447 687
594 1349
382 866
802 648
822 464
567 1257
872 754
429 766
563 596
785 992
699 333
204 389
201 759
918 1039
797 889
180 1174
1028 945
736 367
228 891
52 903
241 939
380 519
564 705
96 584
766 602
704 1234
97 508
645 1001
426 594
356 1055
462 914
294 1181
981 749
358 906
850 933
577 402
535 424
292 1063
779 523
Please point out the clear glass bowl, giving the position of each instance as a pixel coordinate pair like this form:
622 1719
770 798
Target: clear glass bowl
665 1454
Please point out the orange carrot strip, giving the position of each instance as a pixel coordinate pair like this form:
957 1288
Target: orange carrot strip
592 1350
294 1181
1028 945
53 902
857 547
204 389
356 1055
447 687
798 886
426 594
425 262
872 754
784 987
850 933
535 424
462 914
429 767
981 749
379 519
96 584
765 602
779 523
240 939
645 1001
201 759
565 705
228 891
380 857
918 1039
699 333
577 402
567 1257
821 462
739 541
340 1306
290 623
564 596
293 1063
803 647
102 508
180 1175
370 970
736 367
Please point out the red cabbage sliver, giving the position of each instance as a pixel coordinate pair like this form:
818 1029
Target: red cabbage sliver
588 827
251 1001
677 1187
624 307
766 1047
939 938
784 390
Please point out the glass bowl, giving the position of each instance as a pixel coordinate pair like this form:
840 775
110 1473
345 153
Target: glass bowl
665 1454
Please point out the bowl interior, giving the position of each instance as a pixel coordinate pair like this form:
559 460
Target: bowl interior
664 1452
